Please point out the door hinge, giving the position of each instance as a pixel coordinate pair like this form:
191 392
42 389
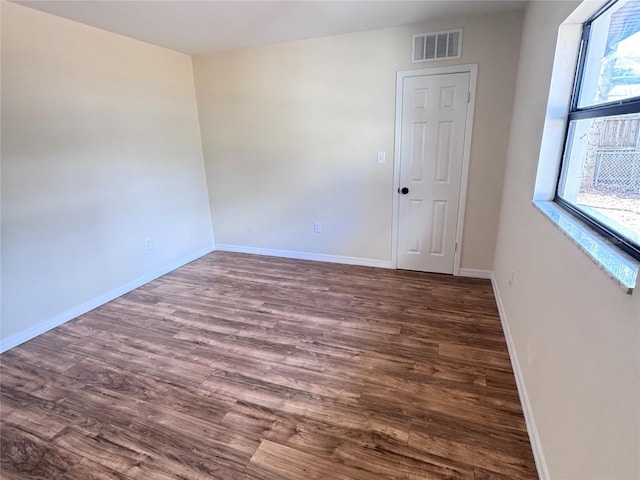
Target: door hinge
455 249
469 97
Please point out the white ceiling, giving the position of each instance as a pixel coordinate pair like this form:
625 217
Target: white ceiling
202 26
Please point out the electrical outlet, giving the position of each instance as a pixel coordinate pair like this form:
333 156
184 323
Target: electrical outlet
511 277
148 244
317 227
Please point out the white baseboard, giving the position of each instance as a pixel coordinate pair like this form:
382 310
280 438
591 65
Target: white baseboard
473 273
319 257
42 327
534 438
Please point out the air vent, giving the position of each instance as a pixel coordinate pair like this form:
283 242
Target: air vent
436 46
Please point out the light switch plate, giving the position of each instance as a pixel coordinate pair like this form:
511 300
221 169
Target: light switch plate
381 158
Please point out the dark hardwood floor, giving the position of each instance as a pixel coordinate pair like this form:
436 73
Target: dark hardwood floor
247 367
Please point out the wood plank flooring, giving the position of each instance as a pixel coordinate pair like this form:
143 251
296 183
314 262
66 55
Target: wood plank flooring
246 367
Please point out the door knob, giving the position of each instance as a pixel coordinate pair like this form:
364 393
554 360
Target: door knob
403 190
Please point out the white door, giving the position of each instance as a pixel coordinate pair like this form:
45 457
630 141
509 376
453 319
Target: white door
434 114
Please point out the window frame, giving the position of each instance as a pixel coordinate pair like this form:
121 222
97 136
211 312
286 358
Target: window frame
619 107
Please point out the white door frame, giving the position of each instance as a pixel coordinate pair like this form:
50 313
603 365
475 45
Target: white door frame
472 69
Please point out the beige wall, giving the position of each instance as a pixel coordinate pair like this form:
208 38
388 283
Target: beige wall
577 334
100 149
291 131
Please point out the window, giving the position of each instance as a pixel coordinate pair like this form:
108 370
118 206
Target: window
600 174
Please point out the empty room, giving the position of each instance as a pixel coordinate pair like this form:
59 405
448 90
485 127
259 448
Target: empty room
299 240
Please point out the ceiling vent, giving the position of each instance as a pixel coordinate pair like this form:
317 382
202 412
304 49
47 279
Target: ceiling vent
436 46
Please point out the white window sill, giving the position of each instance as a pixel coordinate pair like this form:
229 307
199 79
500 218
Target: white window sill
620 267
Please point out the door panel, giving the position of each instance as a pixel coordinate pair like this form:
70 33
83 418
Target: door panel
434 113
438 227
